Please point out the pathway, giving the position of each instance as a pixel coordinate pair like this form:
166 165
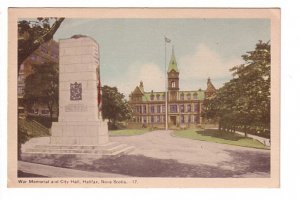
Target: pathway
159 154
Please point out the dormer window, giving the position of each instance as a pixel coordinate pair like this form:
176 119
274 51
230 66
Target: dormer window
181 96
188 96
152 97
195 96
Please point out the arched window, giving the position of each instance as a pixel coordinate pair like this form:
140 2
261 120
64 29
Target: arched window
173 84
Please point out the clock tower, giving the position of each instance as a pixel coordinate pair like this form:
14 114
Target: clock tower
173 77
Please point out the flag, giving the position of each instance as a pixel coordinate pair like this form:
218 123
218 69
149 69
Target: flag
167 40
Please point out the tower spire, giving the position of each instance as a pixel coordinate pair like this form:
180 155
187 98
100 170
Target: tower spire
173 62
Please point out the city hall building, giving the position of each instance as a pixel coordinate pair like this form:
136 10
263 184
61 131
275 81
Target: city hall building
184 107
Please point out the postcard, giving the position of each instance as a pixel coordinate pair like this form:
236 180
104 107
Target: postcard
143 97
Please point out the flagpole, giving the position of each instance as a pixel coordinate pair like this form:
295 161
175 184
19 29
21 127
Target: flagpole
166 85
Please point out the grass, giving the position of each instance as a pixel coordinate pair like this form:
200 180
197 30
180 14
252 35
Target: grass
211 135
128 132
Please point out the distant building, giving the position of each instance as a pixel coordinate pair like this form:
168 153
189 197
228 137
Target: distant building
47 52
184 107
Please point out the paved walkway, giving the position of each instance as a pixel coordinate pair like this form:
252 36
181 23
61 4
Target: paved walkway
159 154
162 145
53 172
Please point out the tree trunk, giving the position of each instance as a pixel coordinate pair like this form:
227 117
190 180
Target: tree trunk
50 111
245 131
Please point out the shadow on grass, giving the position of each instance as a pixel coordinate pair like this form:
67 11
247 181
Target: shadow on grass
220 134
137 166
248 161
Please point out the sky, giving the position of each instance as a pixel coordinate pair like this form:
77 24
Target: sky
133 50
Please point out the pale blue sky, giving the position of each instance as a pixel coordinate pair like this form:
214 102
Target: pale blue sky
132 50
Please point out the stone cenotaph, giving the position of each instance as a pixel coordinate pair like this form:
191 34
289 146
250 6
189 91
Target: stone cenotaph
80 128
80 121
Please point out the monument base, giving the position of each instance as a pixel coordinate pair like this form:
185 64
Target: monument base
79 133
41 147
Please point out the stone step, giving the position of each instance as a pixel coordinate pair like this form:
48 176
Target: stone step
112 149
86 147
63 151
120 152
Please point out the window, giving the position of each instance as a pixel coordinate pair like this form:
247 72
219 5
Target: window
157 97
151 109
182 119
182 97
20 90
152 97
158 119
136 109
195 96
189 97
189 118
189 108
152 119
182 108
196 119
173 108
144 108
196 107
163 109
158 109
173 84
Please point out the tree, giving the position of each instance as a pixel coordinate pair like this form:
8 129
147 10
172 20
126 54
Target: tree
244 101
32 34
42 86
114 105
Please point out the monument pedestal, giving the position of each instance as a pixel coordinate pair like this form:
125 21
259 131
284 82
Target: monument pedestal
79 133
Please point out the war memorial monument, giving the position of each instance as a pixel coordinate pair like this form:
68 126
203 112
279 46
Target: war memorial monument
80 128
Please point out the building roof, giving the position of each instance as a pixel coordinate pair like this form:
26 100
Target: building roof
173 63
210 86
200 95
147 95
137 90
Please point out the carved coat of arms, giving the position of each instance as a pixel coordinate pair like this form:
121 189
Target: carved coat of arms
75 91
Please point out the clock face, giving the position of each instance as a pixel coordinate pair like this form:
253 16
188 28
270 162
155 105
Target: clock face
75 91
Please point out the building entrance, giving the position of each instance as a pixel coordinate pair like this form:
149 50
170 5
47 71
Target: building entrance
173 120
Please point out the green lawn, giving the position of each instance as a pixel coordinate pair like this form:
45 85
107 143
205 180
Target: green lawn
211 135
128 132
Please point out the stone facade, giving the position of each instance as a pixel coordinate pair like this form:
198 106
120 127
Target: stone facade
184 107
